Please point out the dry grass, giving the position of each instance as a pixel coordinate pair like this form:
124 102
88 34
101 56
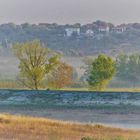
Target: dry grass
27 128
12 84
9 85
105 90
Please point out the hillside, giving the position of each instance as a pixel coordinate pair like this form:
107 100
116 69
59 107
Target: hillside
77 39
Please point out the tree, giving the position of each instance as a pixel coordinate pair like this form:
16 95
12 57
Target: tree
35 62
122 66
100 72
61 77
128 68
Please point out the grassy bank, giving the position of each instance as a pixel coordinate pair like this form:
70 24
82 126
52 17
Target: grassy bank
15 86
105 90
21 128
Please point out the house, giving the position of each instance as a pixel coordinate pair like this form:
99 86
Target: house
89 33
70 31
119 29
104 29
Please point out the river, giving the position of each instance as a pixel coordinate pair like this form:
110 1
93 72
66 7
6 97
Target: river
118 109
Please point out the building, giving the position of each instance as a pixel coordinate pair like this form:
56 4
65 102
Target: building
104 29
119 29
70 31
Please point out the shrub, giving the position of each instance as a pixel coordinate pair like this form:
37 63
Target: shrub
87 138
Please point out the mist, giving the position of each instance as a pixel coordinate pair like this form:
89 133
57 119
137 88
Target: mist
65 11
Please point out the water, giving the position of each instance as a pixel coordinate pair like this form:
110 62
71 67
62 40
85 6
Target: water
116 109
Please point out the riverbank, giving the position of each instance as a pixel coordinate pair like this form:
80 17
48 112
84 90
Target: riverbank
105 90
118 118
21 127
115 109
11 87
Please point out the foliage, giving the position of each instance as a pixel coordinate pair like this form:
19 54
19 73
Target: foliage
100 72
61 77
35 62
86 138
121 66
54 35
128 67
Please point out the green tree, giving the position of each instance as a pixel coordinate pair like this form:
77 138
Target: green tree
100 72
128 68
122 66
35 62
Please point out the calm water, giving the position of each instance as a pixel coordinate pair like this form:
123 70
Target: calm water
117 109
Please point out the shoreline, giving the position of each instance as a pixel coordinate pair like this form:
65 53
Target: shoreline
39 128
127 120
108 90
113 126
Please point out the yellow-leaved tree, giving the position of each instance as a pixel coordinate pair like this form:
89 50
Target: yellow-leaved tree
35 62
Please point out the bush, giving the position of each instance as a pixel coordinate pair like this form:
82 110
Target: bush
87 138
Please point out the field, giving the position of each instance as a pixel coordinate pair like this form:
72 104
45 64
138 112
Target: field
21 128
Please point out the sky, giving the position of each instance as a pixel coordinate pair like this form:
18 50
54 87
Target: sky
69 11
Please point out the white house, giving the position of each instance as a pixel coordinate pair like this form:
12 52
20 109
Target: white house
119 29
90 33
104 29
71 31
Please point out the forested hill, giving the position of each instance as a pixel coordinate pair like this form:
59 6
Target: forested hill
77 39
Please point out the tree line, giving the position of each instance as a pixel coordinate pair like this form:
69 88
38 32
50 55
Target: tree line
39 66
39 63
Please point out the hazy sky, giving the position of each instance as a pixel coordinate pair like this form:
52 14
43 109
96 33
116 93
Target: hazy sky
69 11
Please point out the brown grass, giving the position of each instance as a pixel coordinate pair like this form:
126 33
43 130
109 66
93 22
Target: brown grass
13 84
27 128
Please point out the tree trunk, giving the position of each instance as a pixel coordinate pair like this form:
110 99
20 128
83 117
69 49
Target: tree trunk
35 84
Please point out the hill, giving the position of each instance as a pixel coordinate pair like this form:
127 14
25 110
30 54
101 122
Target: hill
75 40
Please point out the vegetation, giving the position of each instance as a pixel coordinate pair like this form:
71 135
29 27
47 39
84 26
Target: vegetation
87 138
128 68
38 63
54 35
126 77
35 62
17 127
61 77
100 72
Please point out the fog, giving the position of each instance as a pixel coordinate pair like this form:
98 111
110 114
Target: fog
69 11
